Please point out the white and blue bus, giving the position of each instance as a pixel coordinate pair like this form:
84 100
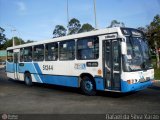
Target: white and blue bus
112 59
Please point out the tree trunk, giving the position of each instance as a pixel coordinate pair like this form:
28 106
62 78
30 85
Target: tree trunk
157 55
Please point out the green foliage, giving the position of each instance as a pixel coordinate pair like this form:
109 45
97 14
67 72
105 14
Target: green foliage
2 36
29 41
9 43
59 31
156 71
153 31
153 34
157 74
73 26
86 28
18 41
115 23
143 29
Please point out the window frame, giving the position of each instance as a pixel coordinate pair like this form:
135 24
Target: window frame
33 53
57 52
28 54
88 38
74 51
11 55
21 55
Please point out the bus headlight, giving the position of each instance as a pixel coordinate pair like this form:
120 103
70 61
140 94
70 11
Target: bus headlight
132 81
129 81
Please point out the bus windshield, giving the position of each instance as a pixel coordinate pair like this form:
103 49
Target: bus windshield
138 56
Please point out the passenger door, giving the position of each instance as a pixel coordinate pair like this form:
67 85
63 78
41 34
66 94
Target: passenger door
16 65
112 64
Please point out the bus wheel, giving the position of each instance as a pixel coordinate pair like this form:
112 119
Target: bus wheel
88 87
28 79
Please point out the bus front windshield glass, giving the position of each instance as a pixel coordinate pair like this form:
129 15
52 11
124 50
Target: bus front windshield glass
138 57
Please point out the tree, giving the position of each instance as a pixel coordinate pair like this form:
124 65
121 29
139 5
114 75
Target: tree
29 41
86 28
115 23
59 31
18 41
153 34
2 36
143 29
9 42
73 26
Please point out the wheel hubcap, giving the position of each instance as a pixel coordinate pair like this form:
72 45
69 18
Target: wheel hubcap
88 86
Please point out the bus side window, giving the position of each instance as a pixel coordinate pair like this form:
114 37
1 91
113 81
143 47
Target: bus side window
88 48
51 51
38 53
10 55
21 55
27 54
67 50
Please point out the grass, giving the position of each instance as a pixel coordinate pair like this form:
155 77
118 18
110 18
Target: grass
157 74
156 71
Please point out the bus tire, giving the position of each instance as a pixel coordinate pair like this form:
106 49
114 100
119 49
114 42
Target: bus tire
88 86
28 79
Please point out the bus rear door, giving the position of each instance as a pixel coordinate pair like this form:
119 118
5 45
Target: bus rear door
16 64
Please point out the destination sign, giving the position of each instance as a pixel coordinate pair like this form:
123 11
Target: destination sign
111 36
132 32
136 33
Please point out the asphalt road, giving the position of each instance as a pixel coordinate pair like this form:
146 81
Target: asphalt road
17 98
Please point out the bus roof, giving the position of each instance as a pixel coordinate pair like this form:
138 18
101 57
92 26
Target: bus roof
68 37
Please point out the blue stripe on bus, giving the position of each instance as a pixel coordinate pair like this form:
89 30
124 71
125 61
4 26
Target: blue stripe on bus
125 87
71 81
32 69
37 78
99 83
39 72
37 68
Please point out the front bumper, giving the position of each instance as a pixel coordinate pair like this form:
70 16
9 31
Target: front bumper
125 87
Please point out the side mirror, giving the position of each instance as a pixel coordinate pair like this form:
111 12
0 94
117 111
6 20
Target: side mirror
123 48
